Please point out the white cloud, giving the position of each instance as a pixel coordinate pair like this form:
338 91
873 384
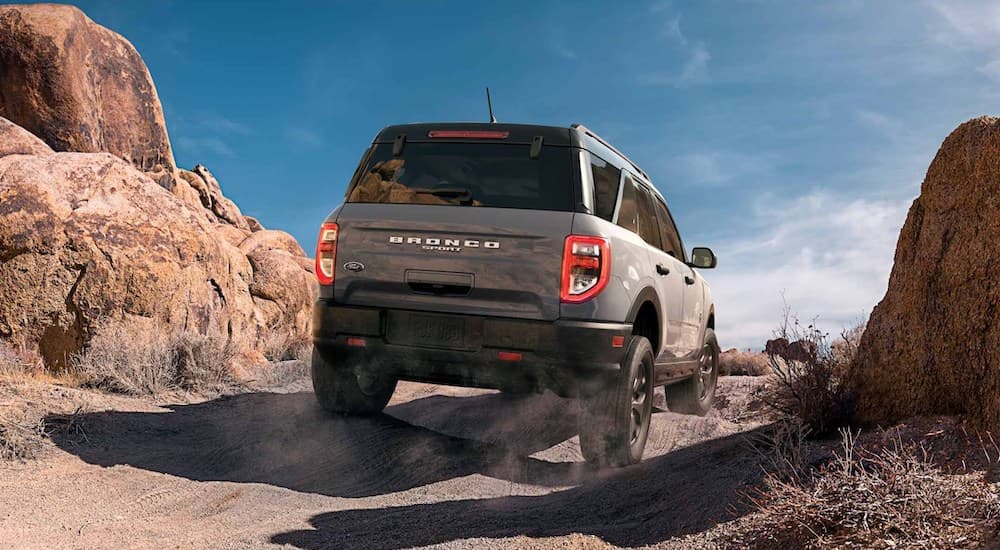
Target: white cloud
559 43
198 145
718 167
660 6
306 137
673 31
881 123
224 125
695 54
694 71
827 255
974 24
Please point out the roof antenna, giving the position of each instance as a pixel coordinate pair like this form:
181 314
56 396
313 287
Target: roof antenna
489 103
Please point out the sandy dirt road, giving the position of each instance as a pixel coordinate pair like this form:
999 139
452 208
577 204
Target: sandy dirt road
443 467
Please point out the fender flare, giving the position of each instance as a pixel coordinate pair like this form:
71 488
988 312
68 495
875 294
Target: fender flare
647 294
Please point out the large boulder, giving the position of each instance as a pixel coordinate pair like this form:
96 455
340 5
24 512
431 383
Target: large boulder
932 345
80 87
15 140
84 237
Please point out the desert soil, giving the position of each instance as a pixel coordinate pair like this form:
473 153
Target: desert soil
443 467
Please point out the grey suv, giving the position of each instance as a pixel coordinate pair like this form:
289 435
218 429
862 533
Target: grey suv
514 257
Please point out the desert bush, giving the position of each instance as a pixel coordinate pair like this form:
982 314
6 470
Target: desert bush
17 363
136 357
21 434
743 363
284 345
811 370
889 497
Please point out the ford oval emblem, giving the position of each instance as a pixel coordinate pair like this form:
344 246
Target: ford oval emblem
354 266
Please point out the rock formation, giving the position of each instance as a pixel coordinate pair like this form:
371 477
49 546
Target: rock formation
106 226
80 87
932 345
15 140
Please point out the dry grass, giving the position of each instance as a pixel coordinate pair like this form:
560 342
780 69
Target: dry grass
811 383
886 497
282 345
743 363
137 357
18 363
22 433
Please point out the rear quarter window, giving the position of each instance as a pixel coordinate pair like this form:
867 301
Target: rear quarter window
628 210
468 174
606 180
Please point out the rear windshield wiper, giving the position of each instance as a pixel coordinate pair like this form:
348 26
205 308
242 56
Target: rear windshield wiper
463 195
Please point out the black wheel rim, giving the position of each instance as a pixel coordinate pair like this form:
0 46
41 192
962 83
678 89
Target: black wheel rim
638 415
706 371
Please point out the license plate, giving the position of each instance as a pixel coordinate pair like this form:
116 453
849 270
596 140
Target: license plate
428 330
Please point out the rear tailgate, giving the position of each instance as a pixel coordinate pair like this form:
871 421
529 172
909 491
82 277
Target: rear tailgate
502 262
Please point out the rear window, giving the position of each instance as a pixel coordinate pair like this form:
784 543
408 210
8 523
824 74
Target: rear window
468 174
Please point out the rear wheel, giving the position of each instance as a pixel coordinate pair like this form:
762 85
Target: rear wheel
697 394
614 423
342 385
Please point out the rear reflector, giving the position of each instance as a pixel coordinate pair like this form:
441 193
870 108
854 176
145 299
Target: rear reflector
617 341
468 134
509 356
356 342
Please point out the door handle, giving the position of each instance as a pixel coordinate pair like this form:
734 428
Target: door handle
662 270
689 279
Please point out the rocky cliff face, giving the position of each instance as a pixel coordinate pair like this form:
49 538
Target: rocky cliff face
115 229
80 87
932 345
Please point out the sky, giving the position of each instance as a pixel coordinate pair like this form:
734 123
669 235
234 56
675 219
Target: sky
790 137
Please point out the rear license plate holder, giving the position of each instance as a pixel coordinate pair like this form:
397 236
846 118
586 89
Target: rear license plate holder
434 331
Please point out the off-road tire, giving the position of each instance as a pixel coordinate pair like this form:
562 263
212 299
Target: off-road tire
696 395
607 429
338 390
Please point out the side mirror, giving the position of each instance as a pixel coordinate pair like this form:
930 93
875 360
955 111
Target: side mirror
703 258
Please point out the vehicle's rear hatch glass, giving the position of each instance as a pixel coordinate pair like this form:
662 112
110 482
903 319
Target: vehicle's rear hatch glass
467 174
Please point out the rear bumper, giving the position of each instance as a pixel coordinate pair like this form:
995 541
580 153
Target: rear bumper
567 357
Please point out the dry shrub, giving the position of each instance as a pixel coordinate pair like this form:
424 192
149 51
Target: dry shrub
22 434
283 345
743 363
18 363
889 497
136 356
811 370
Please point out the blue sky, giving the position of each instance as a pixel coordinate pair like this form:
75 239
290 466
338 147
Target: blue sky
791 137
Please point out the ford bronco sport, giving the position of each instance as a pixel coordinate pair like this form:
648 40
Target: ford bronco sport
519 258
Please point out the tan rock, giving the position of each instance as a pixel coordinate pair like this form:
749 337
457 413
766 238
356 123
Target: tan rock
15 140
210 195
231 234
253 223
80 87
932 346
272 239
86 236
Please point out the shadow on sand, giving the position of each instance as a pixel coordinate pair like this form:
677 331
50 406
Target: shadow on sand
286 440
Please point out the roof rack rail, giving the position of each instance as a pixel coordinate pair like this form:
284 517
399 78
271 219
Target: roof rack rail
594 135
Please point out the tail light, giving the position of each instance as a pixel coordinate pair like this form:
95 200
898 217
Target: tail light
586 268
326 253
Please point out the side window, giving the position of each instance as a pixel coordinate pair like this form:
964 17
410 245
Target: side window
606 179
627 210
648 229
668 232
